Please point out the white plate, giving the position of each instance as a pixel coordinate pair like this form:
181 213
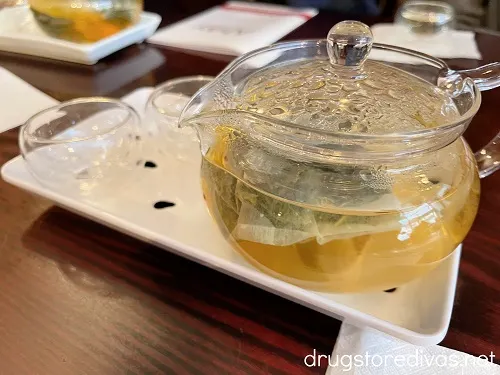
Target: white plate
19 33
418 312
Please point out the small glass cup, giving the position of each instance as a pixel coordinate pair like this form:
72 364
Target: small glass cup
426 17
83 147
163 109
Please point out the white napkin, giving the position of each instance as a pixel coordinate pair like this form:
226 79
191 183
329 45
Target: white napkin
233 28
447 44
19 100
366 352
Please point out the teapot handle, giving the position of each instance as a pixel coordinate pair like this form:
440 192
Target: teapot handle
488 158
486 77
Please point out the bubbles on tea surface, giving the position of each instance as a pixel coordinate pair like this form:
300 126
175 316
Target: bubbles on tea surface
345 126
376 178
312 94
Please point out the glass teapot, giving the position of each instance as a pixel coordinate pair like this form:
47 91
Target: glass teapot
336 172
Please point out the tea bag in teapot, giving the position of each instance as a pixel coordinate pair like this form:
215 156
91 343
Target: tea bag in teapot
266 220
299 203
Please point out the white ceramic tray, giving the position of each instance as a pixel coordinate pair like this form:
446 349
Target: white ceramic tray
19 33
418 312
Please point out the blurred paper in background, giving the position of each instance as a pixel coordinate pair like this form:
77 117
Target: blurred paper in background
233 28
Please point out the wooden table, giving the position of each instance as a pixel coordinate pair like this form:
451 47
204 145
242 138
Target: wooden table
79 298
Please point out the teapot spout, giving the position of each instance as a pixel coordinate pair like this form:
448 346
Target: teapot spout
206 126
203 111
215 95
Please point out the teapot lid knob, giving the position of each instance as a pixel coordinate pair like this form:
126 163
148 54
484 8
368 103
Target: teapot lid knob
349 43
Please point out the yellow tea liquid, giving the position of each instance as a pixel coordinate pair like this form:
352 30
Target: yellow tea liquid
397 246
85 21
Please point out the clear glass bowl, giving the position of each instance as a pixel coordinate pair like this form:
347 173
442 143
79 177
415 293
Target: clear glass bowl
87 147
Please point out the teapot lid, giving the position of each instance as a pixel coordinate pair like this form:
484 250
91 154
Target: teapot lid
347 92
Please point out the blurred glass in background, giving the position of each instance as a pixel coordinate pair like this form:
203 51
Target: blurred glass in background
426 17
85 21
